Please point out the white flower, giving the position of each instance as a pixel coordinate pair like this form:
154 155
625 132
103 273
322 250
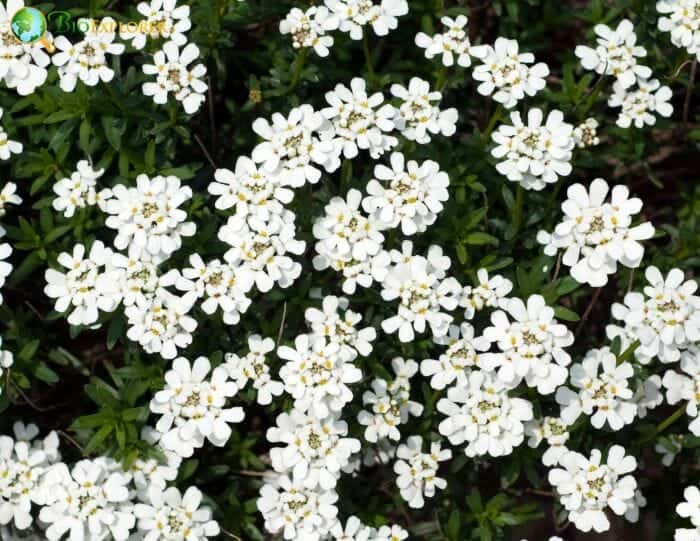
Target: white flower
162 19
89 501
417 471
354 15
482 414
686 386
390 403
295 511
193 408
681 19
87 60
506 73
409 194
161 323
260 248
149 215
8 196
79 190
222 285
5 266
423 299
454 42
360 121
345 235
254 367
22 65
534 154
586 134
139 276
316 449
354 530
648 395
639 105
340 328
175 75
531 347
458 360
291 148
490 292
308 28
552 430
603 391
22 468
317 374
690 509
251 190
169 515
391 533
596 235
150 473
86 287
419 115
665 319
616 54
7 146
587 487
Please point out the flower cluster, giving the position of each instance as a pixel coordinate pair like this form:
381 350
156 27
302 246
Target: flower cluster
451 45
537 153
616 54
93 498
690 509
664 320
161 19
417 471
686 386
681 19
595 235
80 190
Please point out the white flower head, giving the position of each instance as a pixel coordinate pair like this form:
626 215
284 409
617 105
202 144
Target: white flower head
537 153
87 286
665 318
639 105
452 44
162 19
169 515
253 367
554 431
340 328
587 487
531 347
417 471
87 60
603 391
90 498
193 406
250 189
291 147
315 451
506 73
308 28
686 386
481 415
8 147
354 15
595 235
419 115
175 75
360 121
297 512
586 134
615 54
317 374
407 194
260 247
490 292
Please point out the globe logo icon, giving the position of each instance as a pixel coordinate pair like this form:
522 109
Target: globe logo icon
29 26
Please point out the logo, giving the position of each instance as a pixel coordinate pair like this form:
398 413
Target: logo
29 26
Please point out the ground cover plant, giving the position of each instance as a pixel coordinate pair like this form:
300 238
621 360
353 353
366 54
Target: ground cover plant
365 270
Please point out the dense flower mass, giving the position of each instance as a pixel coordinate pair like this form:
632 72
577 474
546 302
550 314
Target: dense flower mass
196 184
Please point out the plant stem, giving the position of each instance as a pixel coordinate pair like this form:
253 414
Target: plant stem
368 58
298 67
627 354
518 210
495 117
345 176
663 425
441 81
590 101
